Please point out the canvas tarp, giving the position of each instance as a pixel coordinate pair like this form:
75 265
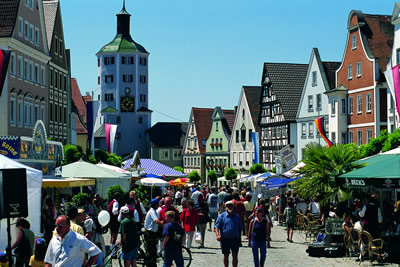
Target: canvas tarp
34 184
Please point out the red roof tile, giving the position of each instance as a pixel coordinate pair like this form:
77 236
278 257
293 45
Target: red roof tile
253 95
80 128
78 99
202 121
230 119
8 17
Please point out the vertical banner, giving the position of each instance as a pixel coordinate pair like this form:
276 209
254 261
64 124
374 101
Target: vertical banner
113 131
4 60
256 141
319 122
396 83
108 127
89 119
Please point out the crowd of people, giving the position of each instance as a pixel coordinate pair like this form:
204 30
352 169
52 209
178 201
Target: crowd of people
178 216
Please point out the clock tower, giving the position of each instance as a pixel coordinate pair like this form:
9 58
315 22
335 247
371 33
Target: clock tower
123 91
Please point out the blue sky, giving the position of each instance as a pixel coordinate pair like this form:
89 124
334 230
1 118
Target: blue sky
202 52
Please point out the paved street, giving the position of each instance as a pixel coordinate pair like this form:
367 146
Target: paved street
281 253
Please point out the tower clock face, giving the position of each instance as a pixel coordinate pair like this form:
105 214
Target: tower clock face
127 104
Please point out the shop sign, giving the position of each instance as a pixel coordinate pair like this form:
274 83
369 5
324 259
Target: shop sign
9 147
354 182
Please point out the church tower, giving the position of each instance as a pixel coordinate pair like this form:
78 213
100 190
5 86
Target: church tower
123 91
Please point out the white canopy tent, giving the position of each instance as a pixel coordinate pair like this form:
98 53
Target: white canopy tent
34 184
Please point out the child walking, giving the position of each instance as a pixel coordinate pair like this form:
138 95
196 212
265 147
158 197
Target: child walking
173 238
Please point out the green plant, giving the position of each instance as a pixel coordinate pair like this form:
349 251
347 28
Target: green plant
71 154
178 168
257 168
112 190
79 199
392 141
212 176
194 176
231 174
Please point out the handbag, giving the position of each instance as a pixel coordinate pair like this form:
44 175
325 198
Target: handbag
197 237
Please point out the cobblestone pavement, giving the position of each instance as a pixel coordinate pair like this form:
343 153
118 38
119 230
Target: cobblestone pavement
281 253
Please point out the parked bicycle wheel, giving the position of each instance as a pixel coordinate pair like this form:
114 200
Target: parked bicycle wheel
187 256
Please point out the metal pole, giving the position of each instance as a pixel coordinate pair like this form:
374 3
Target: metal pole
8 250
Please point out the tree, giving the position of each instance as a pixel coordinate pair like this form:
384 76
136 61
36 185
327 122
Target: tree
322 166
71 154
194 176
231 174
112 190
212 176
392 141
79 199
107 158
178 168
257 168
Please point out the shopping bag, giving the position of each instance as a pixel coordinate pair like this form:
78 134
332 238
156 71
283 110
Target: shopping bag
197 237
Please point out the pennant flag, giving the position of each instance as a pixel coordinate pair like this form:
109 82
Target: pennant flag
319 122
396 85
108 127
4 60
113 131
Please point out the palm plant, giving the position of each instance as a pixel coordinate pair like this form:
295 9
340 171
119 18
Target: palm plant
323 166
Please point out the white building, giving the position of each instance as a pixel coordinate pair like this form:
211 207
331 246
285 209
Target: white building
314 103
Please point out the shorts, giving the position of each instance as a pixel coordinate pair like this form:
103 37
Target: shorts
214 215
230 244
130 255
290 225
114 227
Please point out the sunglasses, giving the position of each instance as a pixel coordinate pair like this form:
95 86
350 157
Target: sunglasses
59 225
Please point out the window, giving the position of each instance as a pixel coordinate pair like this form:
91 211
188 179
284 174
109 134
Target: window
43 76
216 126
36 113
310 129
118 119
61 48
36 74
12 110
398 56
108 60
310 103
142 98
243 135
65 115
284 130
177 154
343 106
326 126
314 78
358 69
354 41
195 143
237 136
319 102
19 114
368 102
142 79
333 137
234 159
51 111
333 108
351 138
140 120
240 158
43 114
109 78
359 104
55 79
164 155
250 138
303 130
350 105
12 64
26 30
108 97
350 72
127 60
30 71
26 113
20 26
127 78
51 77
143 61
26 69
343 138
37 36
359 138
369 136
31 30
19 67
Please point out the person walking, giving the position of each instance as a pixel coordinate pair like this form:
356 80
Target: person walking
202 209
212 206
290 214
129 238
190 219
23 245
257 236
173 238
68 248
227 231
113 210
168 207
153 227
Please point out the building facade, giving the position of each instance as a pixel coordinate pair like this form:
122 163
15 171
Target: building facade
217 144
314 102
123 90
24 98
282 85
241 145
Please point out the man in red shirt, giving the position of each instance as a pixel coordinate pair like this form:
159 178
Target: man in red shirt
168 207
239 208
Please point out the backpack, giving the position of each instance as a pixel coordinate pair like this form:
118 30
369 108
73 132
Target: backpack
292 213
100 229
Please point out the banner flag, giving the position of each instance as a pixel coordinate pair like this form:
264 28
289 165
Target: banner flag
108 127
256 141
396 83
89 120
319 122
113 132
4 60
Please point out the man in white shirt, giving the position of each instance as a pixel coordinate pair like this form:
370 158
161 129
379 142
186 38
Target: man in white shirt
195 195
68 248
314 207
301 206
152 225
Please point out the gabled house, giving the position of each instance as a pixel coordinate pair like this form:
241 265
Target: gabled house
58 82
358 104
194 148
282 85
167 139
79 115
217 144
313 102
241 145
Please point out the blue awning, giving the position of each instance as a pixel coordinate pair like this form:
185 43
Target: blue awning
277 182
152 167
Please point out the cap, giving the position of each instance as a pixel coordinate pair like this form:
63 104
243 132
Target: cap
81 211
40 241
124 210
230 202
194 189
154 201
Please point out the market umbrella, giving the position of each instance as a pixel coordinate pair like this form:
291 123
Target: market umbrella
178 182
83 169
152 182
113 168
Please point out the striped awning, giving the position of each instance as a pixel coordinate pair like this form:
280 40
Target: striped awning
155 168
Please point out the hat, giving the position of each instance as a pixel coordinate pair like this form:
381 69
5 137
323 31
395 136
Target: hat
40 241
154 201
230 202
124 210
81 211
